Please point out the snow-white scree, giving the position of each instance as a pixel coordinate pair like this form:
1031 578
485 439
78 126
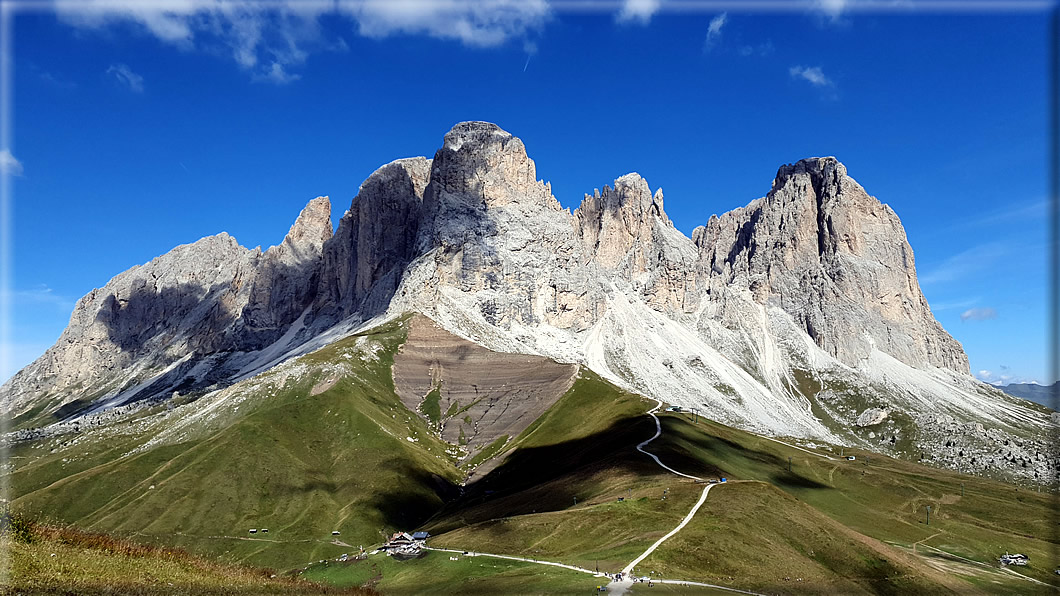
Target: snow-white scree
793 316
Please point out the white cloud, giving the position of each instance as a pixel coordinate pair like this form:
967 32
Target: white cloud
482 23
833 9
813 74
978 314
277 74
270 38
127 77
714 30
8 164
762 49
967 262
40 295
638 11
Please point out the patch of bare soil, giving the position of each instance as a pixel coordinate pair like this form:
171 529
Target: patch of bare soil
323 386
483 395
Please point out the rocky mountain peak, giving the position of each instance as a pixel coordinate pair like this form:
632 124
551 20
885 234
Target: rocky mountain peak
820 169
312 228
483 166
476 134
836 259
376 238
612 222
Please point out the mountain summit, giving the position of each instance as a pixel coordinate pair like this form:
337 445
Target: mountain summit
797 315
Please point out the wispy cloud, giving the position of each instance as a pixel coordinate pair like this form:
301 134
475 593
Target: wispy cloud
813 74
127 77
978 314
1003 378
531 50
714 31
941 306
833 9
472 22
38 296
279 75
965 263
269 39
637 11
763 49
1035 211
8 164
52 79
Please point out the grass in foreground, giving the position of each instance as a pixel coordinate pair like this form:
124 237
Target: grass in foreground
57 560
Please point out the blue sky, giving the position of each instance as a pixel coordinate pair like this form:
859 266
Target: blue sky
137 129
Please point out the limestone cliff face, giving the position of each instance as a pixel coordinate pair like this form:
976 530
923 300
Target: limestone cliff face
491 229
177 322
816 278
625 231
287 276
833 257
143 320
364 262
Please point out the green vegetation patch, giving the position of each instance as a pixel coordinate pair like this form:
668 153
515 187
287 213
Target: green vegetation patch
768 541
453 409
488 452
350 459
431 404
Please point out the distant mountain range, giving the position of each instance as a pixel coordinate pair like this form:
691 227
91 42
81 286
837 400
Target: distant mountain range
1039 394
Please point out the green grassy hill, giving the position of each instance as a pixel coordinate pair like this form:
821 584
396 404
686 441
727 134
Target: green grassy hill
828 525
323 444
300 464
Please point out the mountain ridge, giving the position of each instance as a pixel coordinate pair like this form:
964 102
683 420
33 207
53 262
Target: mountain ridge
793 315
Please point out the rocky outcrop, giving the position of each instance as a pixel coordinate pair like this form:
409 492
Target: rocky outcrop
144 320
287 277
626 231
364 261
178 322
492 230
834 258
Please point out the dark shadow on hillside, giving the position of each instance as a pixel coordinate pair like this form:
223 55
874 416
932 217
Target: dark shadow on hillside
405 510
518 484
71 409
160 326
674 434
148 320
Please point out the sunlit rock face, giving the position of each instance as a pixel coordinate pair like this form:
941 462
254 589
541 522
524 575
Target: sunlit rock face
798 314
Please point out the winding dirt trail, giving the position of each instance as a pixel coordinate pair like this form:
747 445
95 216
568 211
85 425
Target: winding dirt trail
619 587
